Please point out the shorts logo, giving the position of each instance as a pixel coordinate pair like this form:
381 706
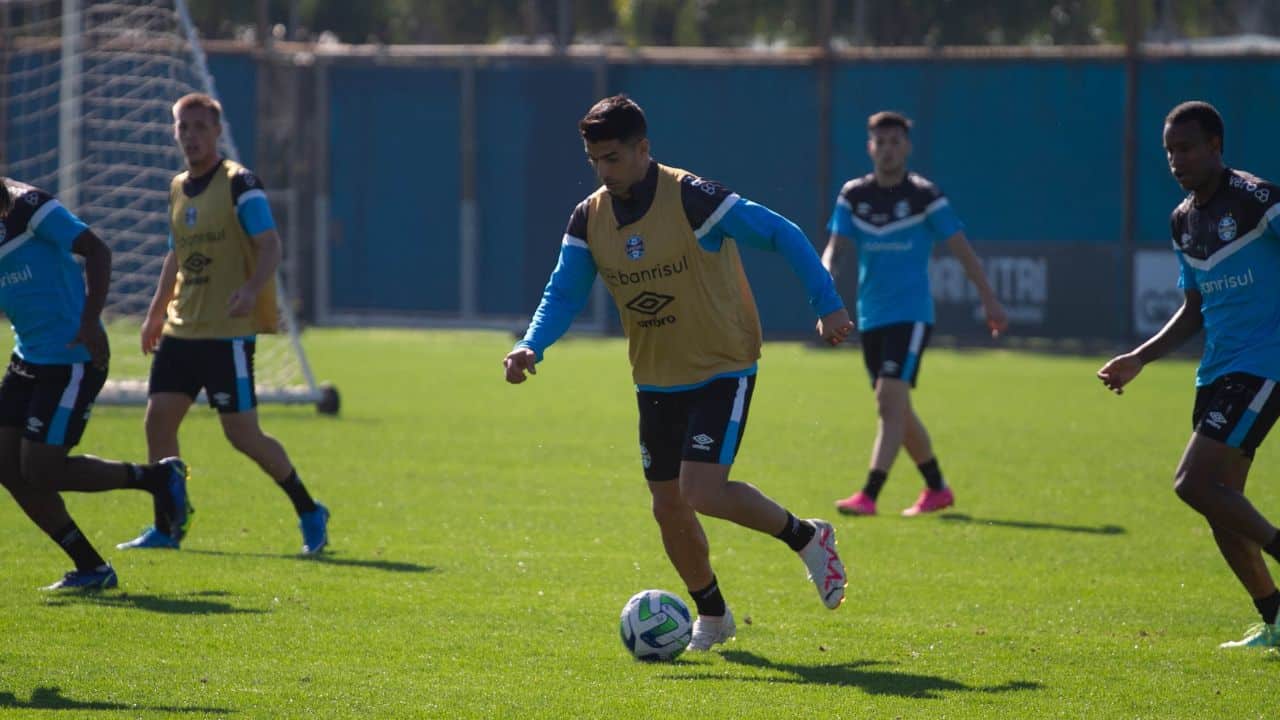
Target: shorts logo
702 441
221 399
1227 229
1216 419
34 424
196 263
649 303
889 367
645 458
190 216
901 209
635 247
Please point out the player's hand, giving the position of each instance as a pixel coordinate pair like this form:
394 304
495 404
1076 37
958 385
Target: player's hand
997 318
1119 371
94 338
241 302
517 362
152 329
834 327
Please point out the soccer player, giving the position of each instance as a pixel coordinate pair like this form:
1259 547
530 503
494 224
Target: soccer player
59 364
666 243
216 292
1226 235
893 217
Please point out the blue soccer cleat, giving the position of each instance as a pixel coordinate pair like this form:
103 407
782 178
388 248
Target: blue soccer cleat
180 511
150 538
104 578
1260 635
315 529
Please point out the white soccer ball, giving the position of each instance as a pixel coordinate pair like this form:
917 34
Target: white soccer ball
655 625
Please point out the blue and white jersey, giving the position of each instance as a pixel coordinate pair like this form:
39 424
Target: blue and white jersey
894 231
41 285
1229 250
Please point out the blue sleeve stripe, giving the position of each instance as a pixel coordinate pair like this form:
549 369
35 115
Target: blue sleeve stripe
716 216
255 213
571 241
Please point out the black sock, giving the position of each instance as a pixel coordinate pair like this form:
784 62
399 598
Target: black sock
932 474
709 600
797 533
150 477
1269 607
875 482
293 487
77 547
1273 547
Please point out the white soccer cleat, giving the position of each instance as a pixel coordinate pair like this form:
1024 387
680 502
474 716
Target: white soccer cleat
825 569
708 631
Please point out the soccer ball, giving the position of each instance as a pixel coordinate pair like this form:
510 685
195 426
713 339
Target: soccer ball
655 625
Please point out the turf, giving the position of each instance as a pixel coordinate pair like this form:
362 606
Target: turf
485 537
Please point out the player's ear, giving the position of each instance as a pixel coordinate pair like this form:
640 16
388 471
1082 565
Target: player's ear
643 146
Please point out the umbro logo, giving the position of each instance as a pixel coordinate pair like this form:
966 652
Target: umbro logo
196 263
34 424
649 303
702 441
890 367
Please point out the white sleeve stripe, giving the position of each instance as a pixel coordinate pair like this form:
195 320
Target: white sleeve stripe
14 243
842 202
572 241
716 216
42 213
1237 245
249 196
936 205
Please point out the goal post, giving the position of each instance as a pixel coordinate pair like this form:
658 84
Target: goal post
86 105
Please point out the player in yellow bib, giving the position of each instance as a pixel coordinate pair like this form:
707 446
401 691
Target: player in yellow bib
665 242
216 293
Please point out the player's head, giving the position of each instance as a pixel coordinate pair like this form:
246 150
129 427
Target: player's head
197 124
889 141
1193 136
615 135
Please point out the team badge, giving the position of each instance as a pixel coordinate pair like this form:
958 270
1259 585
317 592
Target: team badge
32 198
645 458
1227 229
635 247
901 209
191 217
1185 240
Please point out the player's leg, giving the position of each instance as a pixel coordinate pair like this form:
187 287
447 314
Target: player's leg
1231 418
26 415
936 494
663 417
716 424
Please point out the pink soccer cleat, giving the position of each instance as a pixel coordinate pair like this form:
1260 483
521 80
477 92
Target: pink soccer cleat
931 501
857 504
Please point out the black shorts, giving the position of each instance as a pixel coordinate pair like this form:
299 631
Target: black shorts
222 368
52 402
1237 409
703 425
894 351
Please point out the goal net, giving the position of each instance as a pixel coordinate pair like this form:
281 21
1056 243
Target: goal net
86 91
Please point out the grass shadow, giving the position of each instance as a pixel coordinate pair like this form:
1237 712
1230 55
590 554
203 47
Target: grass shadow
328 558
51 698
197 603
865 675
1027 525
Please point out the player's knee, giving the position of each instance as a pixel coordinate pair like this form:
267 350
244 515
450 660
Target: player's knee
1189 488
669 509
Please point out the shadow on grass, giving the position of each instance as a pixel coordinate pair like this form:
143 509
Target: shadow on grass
328 558
862 674
1026 525
197 603
51 698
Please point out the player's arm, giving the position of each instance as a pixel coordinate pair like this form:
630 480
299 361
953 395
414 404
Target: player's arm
997 318
841 230
837 244
254 214
1184 324
564 297
759 227
97 280
153 324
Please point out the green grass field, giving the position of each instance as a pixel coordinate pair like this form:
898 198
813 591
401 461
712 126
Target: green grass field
485 537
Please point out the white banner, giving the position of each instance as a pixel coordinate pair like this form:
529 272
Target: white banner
1156 296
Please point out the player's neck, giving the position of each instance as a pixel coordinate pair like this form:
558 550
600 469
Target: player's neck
196 169
1205 193
888 179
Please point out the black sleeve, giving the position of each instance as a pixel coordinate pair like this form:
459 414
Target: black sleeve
577 226
701 198
242 182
